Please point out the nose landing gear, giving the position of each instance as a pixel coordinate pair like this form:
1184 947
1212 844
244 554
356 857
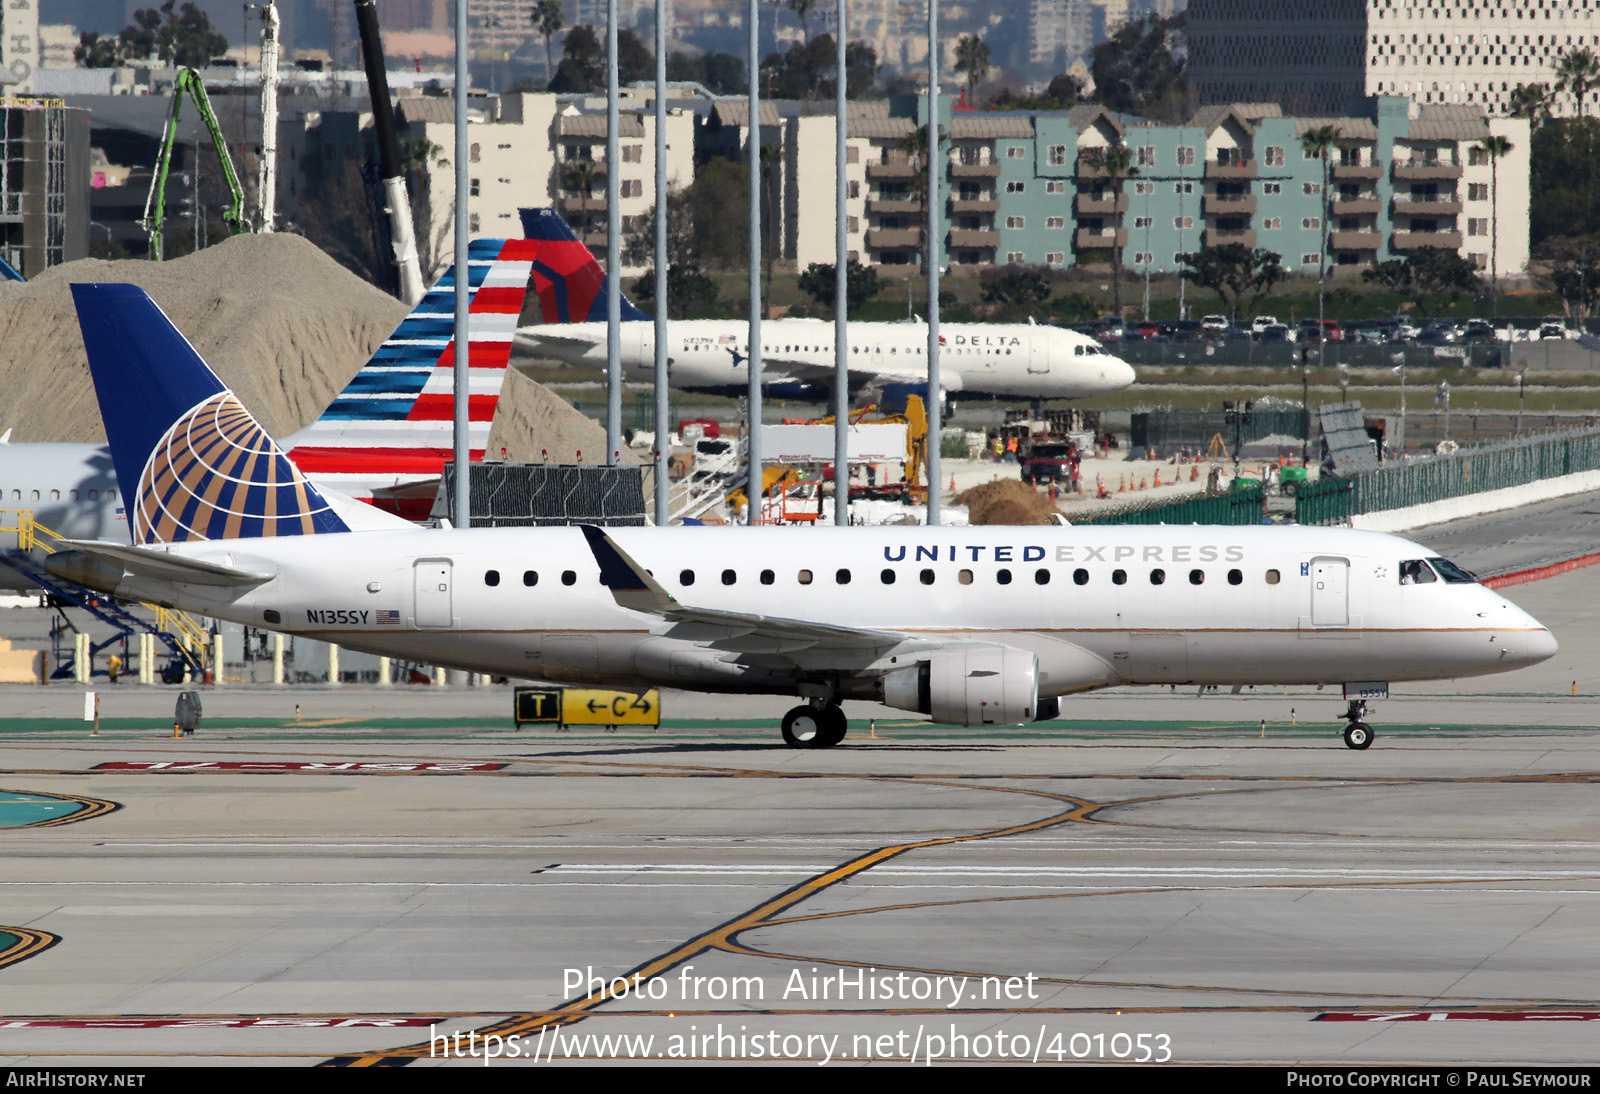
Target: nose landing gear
1357 735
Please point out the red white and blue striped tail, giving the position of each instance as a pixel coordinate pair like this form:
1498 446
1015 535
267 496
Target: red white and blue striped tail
387 435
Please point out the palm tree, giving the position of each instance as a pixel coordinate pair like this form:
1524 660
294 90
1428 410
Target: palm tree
771 159
1494 147
579 177
1577 72
1320 142
548 18
972 57
1532 101
1118 165
915 148
802 9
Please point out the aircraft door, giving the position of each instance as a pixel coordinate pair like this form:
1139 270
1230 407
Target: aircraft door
1039 354
1330 592
647 345
431 579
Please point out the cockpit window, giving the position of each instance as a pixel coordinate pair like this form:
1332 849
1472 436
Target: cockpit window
1416 572
1452 574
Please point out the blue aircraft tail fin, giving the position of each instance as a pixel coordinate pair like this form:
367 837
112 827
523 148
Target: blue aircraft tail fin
204 467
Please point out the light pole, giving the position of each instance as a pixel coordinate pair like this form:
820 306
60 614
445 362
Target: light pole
1305 403
1444 397
1522 391
1400 370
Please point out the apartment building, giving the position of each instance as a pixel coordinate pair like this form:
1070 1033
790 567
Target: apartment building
1315 56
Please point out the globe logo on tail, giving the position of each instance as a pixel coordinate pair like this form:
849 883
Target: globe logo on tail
216 474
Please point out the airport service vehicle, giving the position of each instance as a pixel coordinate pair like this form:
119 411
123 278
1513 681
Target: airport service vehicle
1047 461
384 439
1028 360
971 626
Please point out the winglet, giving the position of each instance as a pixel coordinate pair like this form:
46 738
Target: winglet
631 584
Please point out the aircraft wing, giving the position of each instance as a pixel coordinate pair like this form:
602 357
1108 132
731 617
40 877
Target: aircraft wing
543 335
632 587
911 371
143 562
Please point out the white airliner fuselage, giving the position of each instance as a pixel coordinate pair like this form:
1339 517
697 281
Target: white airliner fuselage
1020 360
859 613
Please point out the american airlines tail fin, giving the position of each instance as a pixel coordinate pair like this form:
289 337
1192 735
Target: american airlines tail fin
205 468
392 425
570 283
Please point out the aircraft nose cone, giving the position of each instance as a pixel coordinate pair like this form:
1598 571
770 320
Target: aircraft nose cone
1539 645
1117 375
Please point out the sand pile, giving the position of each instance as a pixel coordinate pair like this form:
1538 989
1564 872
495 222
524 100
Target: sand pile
1006 501
282 323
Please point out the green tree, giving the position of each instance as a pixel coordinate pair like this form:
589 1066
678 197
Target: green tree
177 36
915 147
1569 266
1117 162
862 283
1138 70
1494 147
719 209
1564 179
580 177
809 71
1577 72
802 11
1430 276
548 19
639 245
1241 277
1532 101
93 51
1320 142
583 63
688 290
972 58
635 62
1015 287
1063 93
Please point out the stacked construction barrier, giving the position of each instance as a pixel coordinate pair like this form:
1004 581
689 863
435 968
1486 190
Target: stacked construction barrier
1497 466
1238 506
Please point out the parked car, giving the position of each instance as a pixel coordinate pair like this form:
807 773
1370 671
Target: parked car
1262 322
1275 333
1213 324
1047 461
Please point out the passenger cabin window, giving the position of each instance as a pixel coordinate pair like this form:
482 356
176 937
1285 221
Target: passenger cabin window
927 577
491 578
1416 572
1002 577
842 577
1080 577
1041 577
1272 577
530 578
1197 577
1235 577
685 577
965 577
768 577
1119 577
887 576
569 577
803 577
1157 577
729 577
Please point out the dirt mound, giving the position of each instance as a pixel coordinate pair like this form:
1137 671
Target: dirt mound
282 323
1006 501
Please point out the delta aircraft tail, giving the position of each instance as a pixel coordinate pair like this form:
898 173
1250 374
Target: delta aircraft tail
569 282
204 467
385 438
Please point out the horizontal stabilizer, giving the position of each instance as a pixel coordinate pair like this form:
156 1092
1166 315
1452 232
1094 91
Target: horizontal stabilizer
158 565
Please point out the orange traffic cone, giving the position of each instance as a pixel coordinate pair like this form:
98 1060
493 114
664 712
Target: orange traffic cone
1158 476
1194 472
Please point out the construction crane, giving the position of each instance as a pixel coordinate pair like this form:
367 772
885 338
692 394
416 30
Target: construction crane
155 206
401 234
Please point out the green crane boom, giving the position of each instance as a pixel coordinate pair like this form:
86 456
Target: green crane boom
155 206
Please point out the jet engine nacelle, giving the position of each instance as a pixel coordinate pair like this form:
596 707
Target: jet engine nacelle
994 686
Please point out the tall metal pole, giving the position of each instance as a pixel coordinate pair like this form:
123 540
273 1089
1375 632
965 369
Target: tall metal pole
932 250
613 247
753 487
841 297
462 515
663 422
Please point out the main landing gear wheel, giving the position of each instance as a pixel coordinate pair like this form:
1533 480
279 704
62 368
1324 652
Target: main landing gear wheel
1358 735
814 727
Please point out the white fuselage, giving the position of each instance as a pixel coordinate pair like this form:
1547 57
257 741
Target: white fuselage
1010 359
1097 606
